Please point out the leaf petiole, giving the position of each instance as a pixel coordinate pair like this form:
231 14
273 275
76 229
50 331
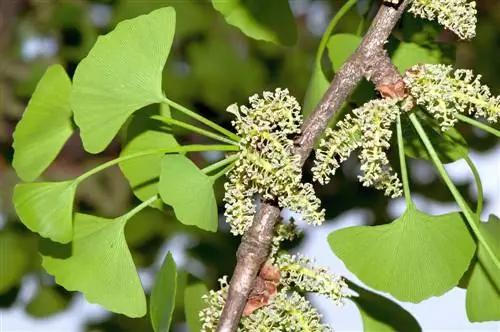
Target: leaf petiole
187 126
479 186
178 149
139 207
220 163
472 220
202 119
478 124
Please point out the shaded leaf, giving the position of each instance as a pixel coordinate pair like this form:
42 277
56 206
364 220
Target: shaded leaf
112 82
143 173
483 290
193 304
189 191
46 302
409 54
413 258
381 314
257 19
46 208
162 302
318 85
14 260
340 47
450 145
45 126
100 266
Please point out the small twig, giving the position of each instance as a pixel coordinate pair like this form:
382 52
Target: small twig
371 61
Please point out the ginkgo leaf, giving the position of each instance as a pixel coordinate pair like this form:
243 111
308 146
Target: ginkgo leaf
47 208
318 84
45 126
340 47
162 304
100 266
189 191
114 81
143 173
483 290
410 54
14 260
193 304
257 19
47 302
413 258
380 313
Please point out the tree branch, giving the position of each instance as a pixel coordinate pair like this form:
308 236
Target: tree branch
369 60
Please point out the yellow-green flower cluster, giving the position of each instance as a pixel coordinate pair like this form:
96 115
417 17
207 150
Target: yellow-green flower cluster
369 129
458 16
445 92
267 165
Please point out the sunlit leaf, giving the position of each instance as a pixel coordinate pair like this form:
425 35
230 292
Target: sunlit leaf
46 302
162 302
257 19
409 54
14 260
318 85
340 47
413 258
450 145
193 304
100 266
143 173
189 191
381 314
45 126
114 81
46 208
483 290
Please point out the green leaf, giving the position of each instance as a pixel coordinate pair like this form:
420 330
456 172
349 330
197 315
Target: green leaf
340 47
162 302
483 290
14 260
46 208
257 19
381 314
315 91
450 145
189 191
409 54
100 266
45 126
115 80
193 304
47 302
413 258
143 173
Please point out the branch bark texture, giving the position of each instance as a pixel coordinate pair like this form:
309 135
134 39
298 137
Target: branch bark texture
370 60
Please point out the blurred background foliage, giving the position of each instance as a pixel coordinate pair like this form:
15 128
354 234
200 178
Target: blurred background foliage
211 65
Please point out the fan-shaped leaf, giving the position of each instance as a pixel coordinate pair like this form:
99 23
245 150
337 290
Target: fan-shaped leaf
483 290
100 266
189 191
317 87
143 173
193 304
340 47
45 126
381 314
47 302
257 19
115 80
409 54
47 208
413 258
162 302
14 260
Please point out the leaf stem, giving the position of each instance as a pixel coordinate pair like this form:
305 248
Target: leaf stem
402 162
220 163
478 124
202 119
192 128
479 186
139 207
178 149
331 26
473 221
